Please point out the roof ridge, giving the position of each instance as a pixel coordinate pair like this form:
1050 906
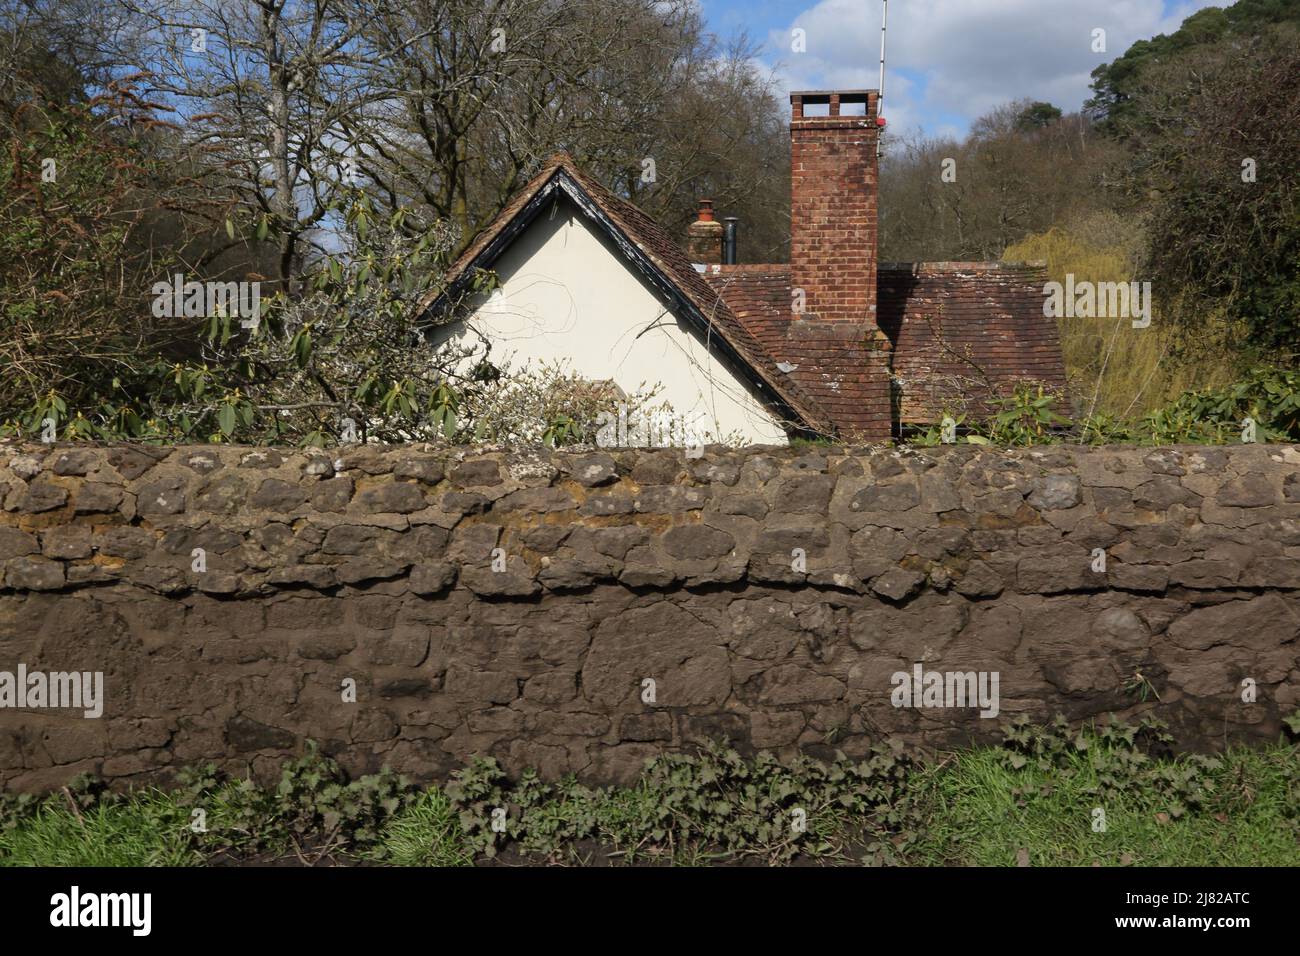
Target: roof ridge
988 265
712 268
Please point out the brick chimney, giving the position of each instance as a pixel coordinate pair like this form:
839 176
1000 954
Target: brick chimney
833 205
704 236
836 347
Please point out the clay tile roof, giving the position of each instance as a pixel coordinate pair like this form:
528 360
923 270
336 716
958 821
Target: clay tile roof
955 334
966 332
642 238
961 332
838 364
759 296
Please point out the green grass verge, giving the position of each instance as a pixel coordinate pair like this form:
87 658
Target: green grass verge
982 813
143 831
1045 796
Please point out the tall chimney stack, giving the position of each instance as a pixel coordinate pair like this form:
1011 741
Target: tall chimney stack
833 205
704 236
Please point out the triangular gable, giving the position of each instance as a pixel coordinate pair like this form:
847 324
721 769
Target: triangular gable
649 250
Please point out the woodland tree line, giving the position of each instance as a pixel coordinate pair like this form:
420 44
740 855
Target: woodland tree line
341 151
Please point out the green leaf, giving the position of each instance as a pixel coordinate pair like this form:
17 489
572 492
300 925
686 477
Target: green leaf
301 347
226 419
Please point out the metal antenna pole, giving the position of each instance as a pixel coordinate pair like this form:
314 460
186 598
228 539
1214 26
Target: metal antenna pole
880 96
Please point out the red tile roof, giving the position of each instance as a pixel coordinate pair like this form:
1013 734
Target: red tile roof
841 365
759 296
961 332
951 335
966 332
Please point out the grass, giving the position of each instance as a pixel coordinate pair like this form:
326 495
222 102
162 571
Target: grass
424 834
983 813
147 830
973 808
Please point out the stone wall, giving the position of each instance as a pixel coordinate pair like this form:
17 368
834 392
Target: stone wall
515 604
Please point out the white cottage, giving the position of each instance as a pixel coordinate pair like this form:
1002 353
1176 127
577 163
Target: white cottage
831 343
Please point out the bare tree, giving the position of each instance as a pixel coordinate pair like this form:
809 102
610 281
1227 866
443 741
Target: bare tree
969 199
470 97
261 87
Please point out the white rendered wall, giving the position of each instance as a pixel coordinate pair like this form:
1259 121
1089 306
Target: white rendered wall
566 294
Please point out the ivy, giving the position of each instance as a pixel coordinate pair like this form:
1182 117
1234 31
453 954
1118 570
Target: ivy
714 804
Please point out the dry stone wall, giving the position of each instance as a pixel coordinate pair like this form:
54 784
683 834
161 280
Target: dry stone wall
521 604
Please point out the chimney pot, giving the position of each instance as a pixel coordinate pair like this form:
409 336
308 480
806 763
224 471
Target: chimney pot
704 236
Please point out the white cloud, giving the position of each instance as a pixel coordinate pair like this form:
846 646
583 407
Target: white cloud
968 55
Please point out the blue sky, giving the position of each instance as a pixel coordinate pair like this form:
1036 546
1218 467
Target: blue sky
947 61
